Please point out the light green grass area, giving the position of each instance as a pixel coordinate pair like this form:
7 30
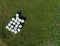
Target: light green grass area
41 28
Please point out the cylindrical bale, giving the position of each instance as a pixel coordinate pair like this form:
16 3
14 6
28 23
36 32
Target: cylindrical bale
7 27
13 19
17 15
20 26
18 30
22 21
12 30
15 32
9 24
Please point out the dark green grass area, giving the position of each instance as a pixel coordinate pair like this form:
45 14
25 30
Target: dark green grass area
42 27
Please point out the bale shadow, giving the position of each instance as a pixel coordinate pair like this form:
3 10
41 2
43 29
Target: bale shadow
22 17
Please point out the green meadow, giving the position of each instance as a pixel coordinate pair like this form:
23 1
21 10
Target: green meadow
41 28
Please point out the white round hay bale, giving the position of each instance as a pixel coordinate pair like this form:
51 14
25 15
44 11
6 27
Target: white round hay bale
12 26
18 23
20 26
15 28
15 32
22 21
13 19
17 15
18 30
19 20
9 24
12 30
7 27
14 23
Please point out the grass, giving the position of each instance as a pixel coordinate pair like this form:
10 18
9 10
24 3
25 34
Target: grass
42 27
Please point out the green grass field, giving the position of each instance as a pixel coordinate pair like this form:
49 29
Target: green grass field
42 27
